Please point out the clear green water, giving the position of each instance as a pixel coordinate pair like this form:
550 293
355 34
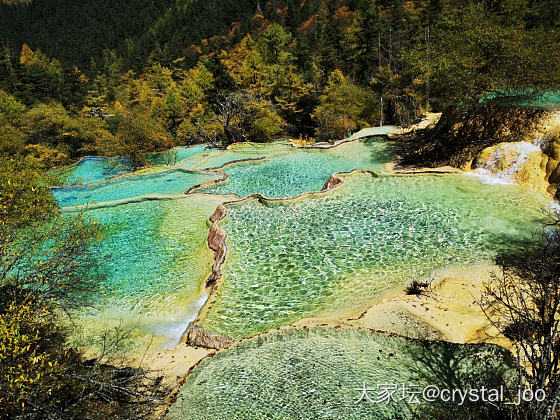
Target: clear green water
94 169
175 181
155 254
291 172
156 260
547 101
314 374
338 252
330 253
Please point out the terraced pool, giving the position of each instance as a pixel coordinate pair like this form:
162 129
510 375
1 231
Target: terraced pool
155 259
335 253
242 151
94 169
320 374
180 154
289 172
171 182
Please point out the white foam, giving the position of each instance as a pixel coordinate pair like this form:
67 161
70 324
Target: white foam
555 205
489 172
540 143
175 331
487 177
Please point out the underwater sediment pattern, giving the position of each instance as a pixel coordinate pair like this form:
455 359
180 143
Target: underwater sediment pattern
336 253
94 169
241 151
319 373
179 154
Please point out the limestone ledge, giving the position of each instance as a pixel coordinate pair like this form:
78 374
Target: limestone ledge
541 168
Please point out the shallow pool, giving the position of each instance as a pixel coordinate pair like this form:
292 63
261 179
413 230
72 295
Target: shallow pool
94 169
338 252
175 181
295 171
155 259
179 154
321 373
333 253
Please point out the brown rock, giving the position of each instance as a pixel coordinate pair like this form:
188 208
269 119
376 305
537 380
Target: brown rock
332 182
553 149
199 337
217 243
219 214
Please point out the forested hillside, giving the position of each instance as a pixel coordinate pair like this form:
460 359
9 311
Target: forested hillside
135 29
128 78
218 72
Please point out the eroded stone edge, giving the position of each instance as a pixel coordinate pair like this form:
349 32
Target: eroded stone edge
217 235
195 335
218 244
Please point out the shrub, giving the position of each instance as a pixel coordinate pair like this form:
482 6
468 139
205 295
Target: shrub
416 287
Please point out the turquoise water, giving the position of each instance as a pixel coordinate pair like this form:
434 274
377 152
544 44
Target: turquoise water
175 181
156 260
94 169
547 101
336 253
155 254
242 151
333 253
295 171
320 374
326 254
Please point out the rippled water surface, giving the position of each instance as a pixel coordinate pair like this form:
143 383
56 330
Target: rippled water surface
337 252
94 169
332 253
156 260
319 374
294 171
324 254
242 151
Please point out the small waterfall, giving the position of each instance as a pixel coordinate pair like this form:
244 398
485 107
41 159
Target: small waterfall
175 331
504 163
